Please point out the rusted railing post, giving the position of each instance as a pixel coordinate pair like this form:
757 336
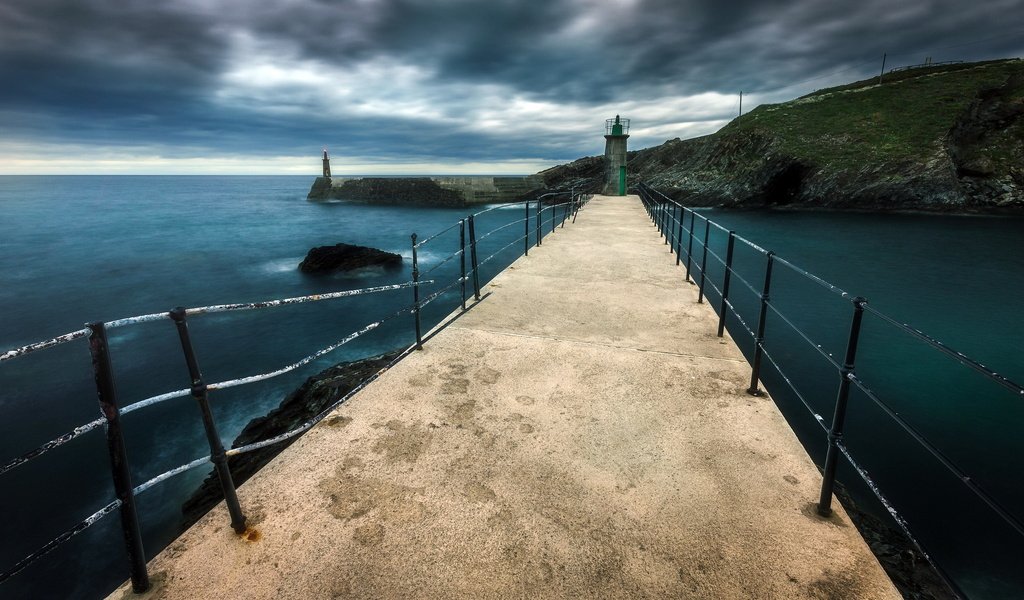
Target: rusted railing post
472 254
725 283
704 260
835 434
416 293
759 338
217 455
106 393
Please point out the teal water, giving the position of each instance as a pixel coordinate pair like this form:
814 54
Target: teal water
961 280
77 249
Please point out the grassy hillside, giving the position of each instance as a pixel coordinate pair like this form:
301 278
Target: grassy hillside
906 118
942 138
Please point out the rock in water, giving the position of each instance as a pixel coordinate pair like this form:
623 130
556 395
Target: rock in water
313 397
345 257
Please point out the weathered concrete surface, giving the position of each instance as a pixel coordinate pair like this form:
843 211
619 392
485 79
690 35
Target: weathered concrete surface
581 433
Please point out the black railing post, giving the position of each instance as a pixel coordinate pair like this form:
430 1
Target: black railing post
679 235
689 244
659 220
553 223
568 206
540 209
106 393
526 223
217 454
672 227
462 258
666 220
576 207
416 293
704 260
472 254
835 434
759 338
725 283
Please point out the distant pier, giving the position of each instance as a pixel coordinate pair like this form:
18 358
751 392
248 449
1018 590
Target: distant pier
469 190
580 432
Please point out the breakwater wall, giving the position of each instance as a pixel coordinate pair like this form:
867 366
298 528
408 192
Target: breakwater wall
428 191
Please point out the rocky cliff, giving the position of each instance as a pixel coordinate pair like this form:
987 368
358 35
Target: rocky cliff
945 138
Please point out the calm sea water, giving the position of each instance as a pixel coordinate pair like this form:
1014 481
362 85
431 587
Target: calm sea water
77 249
961 280
82 249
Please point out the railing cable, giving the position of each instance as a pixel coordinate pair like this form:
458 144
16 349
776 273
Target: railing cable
60 539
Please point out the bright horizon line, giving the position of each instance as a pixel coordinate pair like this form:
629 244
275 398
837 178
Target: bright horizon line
51 161
523 174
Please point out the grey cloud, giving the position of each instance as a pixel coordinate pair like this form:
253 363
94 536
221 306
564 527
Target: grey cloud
123 71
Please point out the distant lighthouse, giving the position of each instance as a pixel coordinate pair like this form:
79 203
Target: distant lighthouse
327 165
616 134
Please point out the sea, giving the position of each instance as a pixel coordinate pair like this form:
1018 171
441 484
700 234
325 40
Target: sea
80 249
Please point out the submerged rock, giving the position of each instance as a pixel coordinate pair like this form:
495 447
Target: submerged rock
908 569
346 257
313 397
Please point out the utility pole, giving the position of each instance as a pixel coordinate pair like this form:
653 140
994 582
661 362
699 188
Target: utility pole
741 103
883 69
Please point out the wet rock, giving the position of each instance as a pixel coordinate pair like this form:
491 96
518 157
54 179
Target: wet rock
903 563
346 257
313 397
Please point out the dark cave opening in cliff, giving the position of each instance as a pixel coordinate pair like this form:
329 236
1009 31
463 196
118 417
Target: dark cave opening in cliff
784 186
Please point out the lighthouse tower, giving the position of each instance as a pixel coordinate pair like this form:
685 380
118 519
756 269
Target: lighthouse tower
616 134
327 165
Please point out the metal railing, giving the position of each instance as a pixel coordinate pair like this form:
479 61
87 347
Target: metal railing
671 218
111 411
925 65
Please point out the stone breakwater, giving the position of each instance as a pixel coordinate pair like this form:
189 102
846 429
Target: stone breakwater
427 191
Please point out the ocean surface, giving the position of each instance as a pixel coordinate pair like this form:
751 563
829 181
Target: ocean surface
960 279
81 249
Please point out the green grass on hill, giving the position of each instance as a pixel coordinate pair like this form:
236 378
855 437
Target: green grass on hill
905 119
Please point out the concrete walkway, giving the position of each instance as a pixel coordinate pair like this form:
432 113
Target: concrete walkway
580 433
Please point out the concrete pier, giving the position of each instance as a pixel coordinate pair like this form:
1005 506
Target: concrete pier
579 433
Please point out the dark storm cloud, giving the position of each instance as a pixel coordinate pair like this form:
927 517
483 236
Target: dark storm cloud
110 71
698 45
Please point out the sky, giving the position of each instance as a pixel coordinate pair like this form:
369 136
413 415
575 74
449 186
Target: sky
430 86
